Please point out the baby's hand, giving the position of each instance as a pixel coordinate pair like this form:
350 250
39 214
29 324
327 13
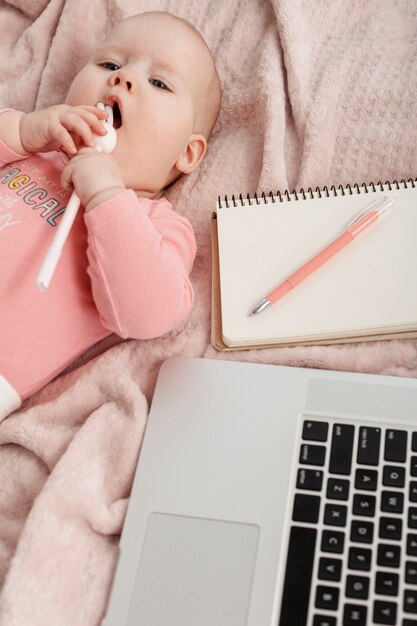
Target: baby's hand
95 176
61 126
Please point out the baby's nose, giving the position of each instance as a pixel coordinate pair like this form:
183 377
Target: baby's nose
122 79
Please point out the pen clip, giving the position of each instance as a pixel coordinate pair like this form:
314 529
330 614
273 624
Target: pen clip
381 205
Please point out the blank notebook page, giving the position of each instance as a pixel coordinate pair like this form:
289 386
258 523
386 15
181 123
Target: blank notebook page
368 287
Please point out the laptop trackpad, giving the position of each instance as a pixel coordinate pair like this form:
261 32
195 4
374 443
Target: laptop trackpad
194 571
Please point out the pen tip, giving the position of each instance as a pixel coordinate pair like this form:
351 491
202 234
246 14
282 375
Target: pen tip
261 306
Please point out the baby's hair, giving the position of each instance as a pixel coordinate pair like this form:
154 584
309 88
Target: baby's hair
213 103
209 111
214 92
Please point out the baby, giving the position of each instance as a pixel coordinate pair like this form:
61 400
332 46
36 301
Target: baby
126 264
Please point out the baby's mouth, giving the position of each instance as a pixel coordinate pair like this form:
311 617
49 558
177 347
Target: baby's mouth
117 116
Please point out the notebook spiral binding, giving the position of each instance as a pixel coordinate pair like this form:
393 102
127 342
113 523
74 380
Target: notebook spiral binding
266 197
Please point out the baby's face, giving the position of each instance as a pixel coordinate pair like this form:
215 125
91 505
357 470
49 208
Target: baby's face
150 70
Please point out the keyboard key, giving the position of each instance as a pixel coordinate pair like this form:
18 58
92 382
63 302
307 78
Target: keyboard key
360 559
388 555
357 587
390 528
413 466
393 476
306 508
392 502
297 583
385 612
412 517
412 493
309 479
395 445
414 442
386 583
410 601
366 480
368 445
341 450
337 489
361 532
315 431
327 598
335 514
354 615
324 620
411 545
411 572
312 455
364 505
409 622
330 569
332 541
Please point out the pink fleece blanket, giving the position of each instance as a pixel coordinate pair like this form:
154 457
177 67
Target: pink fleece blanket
315 93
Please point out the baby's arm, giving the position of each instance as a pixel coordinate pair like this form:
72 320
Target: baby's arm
140 254
51 128
10 131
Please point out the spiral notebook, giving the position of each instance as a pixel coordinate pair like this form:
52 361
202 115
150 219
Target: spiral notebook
367 291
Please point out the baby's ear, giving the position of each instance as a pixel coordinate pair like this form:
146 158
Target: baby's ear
193 154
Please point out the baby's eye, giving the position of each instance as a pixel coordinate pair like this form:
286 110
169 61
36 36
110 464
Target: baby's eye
108 65
158 83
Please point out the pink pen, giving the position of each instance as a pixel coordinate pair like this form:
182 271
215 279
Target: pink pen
357 226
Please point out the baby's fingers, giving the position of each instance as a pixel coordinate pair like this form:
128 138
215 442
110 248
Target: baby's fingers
67 172
60 134
66 176
93 117
77 125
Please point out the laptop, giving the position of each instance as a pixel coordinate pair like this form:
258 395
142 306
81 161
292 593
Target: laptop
272 496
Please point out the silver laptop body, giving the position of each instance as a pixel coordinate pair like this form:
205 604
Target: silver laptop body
245 512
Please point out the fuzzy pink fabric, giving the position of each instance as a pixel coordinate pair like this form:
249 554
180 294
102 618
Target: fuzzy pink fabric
314 93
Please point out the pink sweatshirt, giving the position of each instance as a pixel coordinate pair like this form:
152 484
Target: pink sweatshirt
124 269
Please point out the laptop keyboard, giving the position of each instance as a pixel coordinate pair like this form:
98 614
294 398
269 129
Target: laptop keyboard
352 552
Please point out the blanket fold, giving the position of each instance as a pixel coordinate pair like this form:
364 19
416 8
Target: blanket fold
77 472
